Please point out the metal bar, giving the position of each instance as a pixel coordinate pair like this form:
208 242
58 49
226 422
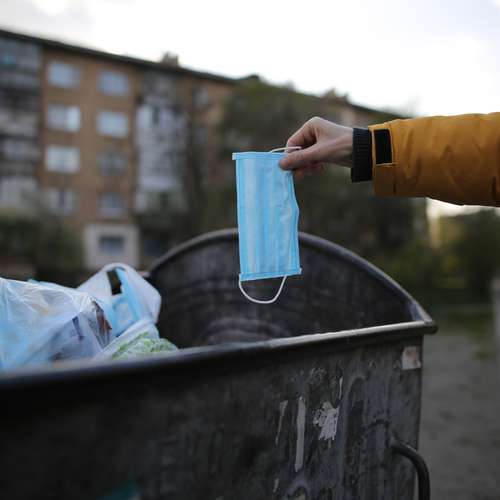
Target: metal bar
424 486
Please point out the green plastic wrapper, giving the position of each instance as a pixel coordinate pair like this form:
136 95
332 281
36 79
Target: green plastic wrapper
142 345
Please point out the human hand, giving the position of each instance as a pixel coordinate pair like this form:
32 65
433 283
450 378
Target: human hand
322 142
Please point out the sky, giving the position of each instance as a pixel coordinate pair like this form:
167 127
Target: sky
420 57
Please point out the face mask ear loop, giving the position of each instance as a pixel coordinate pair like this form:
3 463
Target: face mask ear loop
285 148
261 301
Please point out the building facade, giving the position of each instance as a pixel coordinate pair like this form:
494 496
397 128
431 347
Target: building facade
20 153
87 175
95 140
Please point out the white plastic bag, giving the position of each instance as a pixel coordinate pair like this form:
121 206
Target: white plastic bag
136 308
40 324
137 298
44 322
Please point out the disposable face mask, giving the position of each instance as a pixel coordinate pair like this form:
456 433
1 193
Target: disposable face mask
268 216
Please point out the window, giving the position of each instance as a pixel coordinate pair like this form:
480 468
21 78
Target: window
156 201
112 205
64 159
163 118
111 245
114 83
108 242
8 60
200 98
62 201
18 101
20 54
19 80
19 149
17 191
168 163
157 117
112 124
64 117
112 163
63 75
199 135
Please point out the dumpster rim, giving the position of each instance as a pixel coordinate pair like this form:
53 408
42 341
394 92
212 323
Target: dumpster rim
414 308
195 362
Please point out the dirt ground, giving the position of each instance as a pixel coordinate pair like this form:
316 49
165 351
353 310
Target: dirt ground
460 420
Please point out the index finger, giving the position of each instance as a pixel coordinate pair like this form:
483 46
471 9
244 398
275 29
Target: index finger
304 137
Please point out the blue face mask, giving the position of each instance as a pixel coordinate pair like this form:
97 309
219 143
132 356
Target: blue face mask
268 216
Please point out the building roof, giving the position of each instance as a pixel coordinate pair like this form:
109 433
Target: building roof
142 63
157 65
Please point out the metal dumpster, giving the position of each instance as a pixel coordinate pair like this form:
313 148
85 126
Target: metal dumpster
302 399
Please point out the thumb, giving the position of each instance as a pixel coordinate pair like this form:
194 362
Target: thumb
301 158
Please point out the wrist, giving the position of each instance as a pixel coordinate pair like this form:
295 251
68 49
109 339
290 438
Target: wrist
362 155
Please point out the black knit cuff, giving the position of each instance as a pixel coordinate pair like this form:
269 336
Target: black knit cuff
362 155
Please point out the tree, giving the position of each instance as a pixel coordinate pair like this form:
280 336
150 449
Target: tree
52 247
58 252
471 243
261 117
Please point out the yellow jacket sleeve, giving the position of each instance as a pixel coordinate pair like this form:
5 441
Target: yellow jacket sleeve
454 159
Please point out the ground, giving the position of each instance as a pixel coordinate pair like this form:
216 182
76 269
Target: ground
460 420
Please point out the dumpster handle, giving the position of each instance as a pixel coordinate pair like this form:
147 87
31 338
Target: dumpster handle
424 486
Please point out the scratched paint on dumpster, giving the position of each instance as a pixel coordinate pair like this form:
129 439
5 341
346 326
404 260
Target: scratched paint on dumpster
301 428
326 418
283 406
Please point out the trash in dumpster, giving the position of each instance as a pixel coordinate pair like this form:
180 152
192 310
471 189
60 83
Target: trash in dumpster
123 290
138 341
111 316
43 324
141 346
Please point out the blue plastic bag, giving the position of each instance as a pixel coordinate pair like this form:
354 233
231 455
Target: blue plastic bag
42 324
136 299
136 304
99 321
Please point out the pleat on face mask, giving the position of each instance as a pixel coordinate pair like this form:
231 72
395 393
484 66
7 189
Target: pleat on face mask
268 217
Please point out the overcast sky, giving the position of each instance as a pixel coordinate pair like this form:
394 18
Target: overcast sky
422 57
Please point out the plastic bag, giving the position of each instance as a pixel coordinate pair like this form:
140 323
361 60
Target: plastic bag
136 305
137 341
41 324
123 290
141 346
113 315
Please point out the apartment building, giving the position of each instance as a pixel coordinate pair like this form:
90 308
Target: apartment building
20 65
96 140
87 173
